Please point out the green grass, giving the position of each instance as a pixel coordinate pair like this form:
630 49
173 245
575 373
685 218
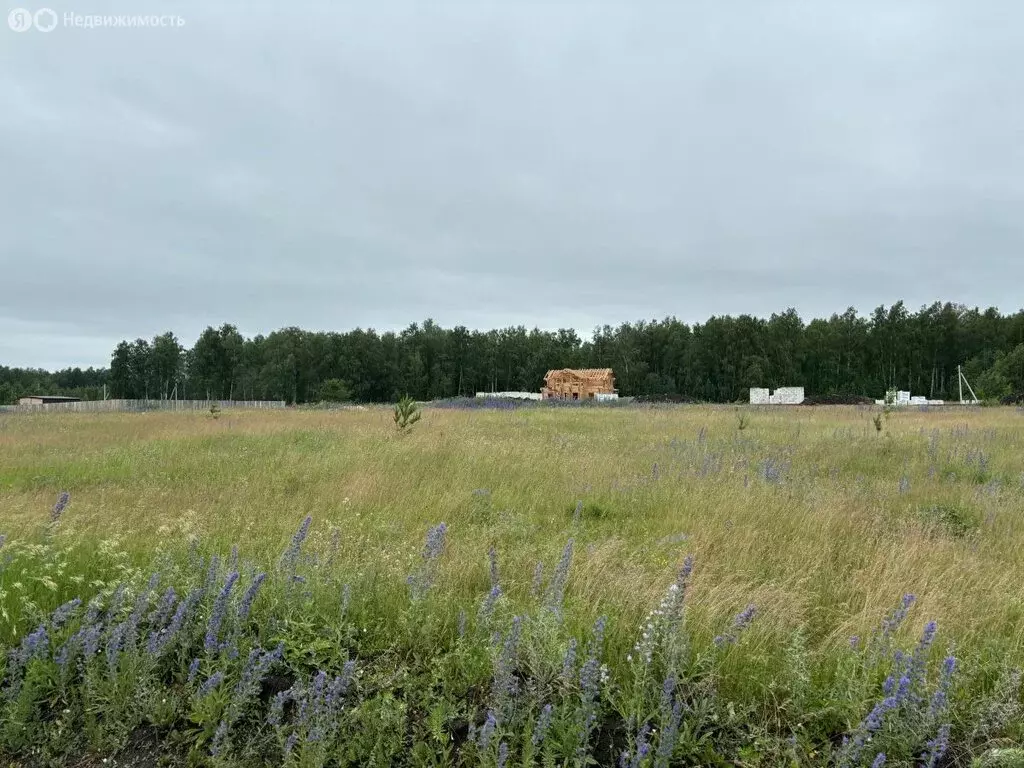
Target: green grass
809 514
830 548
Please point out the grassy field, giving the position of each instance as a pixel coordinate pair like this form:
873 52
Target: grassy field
812 515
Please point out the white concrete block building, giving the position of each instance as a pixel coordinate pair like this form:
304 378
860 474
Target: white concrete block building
781 396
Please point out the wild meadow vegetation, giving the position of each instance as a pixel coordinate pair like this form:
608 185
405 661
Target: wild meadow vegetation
529 586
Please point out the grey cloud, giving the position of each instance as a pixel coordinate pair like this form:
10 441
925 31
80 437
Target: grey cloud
371 164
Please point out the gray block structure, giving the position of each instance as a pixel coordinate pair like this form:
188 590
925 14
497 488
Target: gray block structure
781 396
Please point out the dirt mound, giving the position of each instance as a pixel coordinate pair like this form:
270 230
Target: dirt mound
837 400
678 398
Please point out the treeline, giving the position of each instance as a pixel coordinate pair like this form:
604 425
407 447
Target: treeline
75 382
716 361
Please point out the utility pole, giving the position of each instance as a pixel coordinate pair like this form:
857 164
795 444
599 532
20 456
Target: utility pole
963 380
960 383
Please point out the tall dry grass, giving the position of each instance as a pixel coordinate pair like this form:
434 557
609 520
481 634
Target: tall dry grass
809 513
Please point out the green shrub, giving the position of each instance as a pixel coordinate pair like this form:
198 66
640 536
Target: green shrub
951 520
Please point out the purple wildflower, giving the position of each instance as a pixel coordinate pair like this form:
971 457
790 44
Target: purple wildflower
772 471
289 743
59 507
896 618
556 589
641 751
193 670
487 609
276 713
875 718
212 682
219 737
160 639
92 611
503 684
163 608
195 561
871 724
346 599
916 663
348 674
435 542
569 661
116 600
937 747
91 640
254 671
64 612
540 730
668 688
115 643
904 484
684 572
290 558
317 707
502 755
462 623
211 573
320 703
669 736
671 608
487 731
854 642
250 595
538 579
66 652
492 557
220 606
741 622
590 687
130 631
879 760
745 617
939 698
35 644
420 583
86 638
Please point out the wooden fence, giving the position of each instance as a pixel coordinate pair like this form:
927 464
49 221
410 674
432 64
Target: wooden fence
105 406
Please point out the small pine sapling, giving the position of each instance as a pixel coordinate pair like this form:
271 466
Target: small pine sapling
407 413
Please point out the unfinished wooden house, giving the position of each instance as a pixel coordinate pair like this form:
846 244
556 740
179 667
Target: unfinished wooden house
579 384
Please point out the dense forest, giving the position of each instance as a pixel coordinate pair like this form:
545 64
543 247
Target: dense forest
718 360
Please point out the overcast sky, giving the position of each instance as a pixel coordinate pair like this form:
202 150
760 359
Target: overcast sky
549 164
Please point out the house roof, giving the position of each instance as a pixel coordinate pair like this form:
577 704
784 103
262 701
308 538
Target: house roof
51 397
582 373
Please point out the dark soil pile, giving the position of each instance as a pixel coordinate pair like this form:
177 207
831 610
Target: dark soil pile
837 400
663 399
